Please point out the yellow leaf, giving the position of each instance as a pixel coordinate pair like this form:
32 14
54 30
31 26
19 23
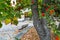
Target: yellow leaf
7 21
15 18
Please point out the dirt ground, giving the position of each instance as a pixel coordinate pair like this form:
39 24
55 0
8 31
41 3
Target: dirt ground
31 35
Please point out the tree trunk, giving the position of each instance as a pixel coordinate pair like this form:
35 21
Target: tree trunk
40 25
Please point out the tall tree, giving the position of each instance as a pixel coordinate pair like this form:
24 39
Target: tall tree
40 24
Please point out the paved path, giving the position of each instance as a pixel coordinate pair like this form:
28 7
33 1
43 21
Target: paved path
9 32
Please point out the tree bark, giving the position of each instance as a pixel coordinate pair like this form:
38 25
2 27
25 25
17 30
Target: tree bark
40 25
